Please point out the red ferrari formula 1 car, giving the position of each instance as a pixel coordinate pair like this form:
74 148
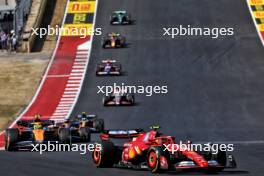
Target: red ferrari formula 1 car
146 150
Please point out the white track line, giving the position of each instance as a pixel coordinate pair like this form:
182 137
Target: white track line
81 56
75 78
68 97
75 81
72 85
77 71
65 105
80 60
62 108
60 113
76 74
78 64
71 88
76 67
80 53
57 76
70 93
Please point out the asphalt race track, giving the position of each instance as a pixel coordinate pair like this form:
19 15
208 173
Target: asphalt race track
215 86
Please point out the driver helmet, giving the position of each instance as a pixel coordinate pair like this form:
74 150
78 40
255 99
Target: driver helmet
38 126
84 115
37 118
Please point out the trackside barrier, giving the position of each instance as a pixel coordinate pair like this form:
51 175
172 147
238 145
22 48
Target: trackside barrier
34 20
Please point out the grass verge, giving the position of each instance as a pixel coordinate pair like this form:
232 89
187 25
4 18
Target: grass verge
20 75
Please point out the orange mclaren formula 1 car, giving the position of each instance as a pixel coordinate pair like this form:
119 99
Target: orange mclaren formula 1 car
80 128
147 150
28 133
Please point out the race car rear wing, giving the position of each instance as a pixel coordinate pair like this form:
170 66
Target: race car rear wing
29 123
121 133
108 61
89 116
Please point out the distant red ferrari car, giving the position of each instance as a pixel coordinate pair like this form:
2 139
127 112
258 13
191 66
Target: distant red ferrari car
146 150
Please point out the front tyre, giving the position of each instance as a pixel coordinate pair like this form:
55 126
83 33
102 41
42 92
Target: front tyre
105 100
99 125
11 137
85 134
130 98
65 135
157 159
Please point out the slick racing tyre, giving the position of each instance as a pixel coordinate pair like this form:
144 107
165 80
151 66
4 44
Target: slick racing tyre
85 134
65 135
130 98
119 43
98 124
106 43
106 156
105 100
221 158
11 137
154 159
112 20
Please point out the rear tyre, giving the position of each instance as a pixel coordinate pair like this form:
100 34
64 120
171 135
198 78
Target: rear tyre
99 125
104 44
112 20
221 159
85 134
106 156
11 137
105 100
130 98
123 42
97 70
65 135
